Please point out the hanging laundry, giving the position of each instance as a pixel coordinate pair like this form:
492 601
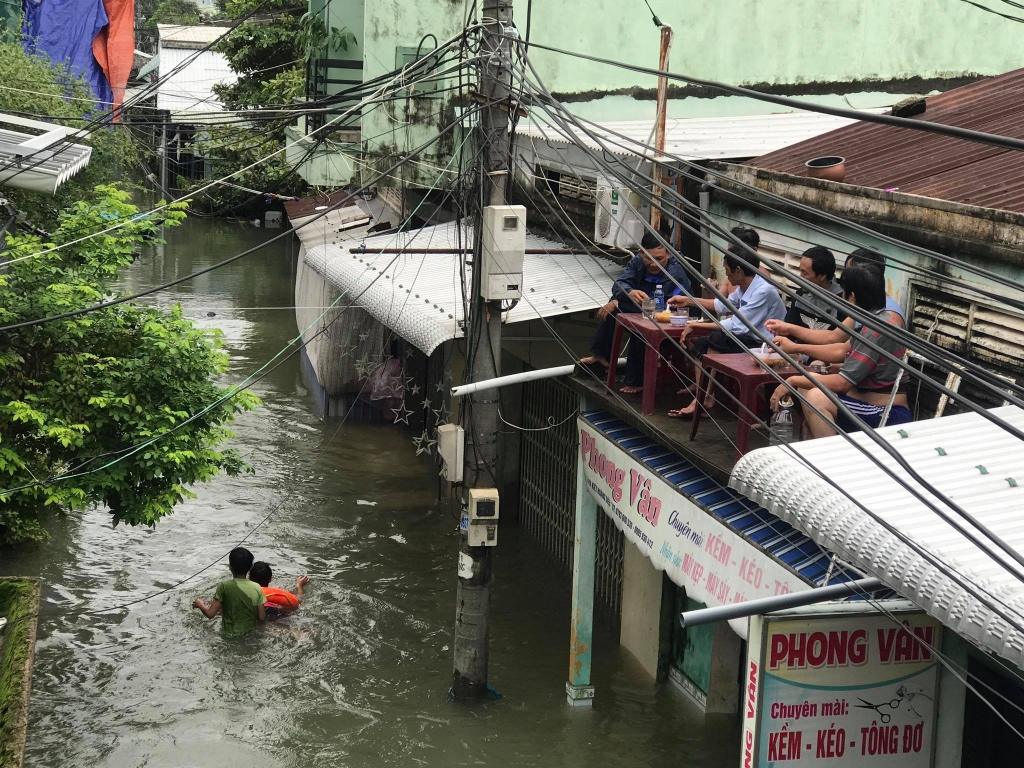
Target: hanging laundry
63 31
114 48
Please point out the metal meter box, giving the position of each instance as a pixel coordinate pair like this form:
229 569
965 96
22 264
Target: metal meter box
502 249
450 441
483 517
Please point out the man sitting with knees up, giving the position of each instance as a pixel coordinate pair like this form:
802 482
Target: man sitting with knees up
652 267
754 298
867 379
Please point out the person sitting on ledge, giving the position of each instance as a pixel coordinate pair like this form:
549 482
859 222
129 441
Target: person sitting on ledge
867 381
754 298
652 267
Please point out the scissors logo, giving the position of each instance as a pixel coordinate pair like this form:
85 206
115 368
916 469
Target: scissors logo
885 717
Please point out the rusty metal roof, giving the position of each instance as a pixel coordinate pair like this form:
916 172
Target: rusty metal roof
884 157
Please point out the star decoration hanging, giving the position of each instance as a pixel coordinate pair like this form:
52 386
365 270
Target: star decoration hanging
414 389
423 443
440 387
402 414
347 350
426 403
409 353
441 414
364 336
364 368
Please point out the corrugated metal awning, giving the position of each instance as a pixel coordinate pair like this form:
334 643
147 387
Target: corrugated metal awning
967 459
39 162
420 295
702 138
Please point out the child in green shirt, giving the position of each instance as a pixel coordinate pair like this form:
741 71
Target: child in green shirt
239 600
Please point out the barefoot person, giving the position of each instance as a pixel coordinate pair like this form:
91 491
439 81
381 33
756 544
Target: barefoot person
639 280
754 298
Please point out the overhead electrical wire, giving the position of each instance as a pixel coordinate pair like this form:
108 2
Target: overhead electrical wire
232 259
1011 553
244 385
971 370
191 193
992 139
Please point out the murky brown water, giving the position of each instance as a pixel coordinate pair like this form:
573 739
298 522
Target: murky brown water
360 676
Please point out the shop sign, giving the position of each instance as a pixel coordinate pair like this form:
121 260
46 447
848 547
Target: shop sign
699 552
841 689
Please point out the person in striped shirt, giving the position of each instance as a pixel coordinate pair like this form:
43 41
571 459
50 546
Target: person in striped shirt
867 378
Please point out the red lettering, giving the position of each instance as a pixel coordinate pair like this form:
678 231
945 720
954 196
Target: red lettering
636 482
885 644
780 649
797 651
752 690
817 649
859 647
922 648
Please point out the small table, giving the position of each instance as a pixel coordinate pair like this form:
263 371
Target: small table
750 376
653 333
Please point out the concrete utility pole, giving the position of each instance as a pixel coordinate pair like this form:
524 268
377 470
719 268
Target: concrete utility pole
473 598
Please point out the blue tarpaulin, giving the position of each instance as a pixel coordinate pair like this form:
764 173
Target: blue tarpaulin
63 31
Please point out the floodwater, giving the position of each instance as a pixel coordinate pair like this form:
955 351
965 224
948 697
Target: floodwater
360 676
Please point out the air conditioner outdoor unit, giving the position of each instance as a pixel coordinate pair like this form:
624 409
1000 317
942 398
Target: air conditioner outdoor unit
616 222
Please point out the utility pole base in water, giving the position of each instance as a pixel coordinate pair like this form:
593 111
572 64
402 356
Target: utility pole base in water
472 609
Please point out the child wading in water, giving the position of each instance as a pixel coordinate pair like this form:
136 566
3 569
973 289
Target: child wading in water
278 601
238 600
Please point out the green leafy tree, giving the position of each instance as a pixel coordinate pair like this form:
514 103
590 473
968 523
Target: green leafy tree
269 51
48 91
174 12
78 395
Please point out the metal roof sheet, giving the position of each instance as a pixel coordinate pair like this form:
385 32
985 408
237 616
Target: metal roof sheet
419 295
945 168
795 550
195 36
701 138
966 458
188 93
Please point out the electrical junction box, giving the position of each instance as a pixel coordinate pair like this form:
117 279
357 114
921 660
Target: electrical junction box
502 250
483 517
616 220
451 439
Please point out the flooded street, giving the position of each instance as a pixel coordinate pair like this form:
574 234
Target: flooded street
359 677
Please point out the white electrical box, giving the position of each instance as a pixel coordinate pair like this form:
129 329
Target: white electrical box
616 219
502 250
483 517
450 441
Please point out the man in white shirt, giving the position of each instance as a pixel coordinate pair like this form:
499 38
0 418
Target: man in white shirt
754 298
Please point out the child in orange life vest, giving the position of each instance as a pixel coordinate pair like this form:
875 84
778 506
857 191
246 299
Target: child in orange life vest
278 601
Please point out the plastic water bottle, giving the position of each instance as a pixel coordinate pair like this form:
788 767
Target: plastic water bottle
659 299
782 430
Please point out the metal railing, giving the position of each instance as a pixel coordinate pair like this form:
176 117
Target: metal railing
323 73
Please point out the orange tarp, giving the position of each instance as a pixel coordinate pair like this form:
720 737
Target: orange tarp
114 48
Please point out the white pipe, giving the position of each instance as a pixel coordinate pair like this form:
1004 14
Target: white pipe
517 378
703 616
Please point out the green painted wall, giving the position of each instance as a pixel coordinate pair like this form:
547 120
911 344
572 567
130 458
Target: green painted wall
772 41
392 130
343 14
822 47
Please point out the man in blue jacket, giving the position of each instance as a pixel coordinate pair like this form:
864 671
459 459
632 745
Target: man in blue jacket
652 267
